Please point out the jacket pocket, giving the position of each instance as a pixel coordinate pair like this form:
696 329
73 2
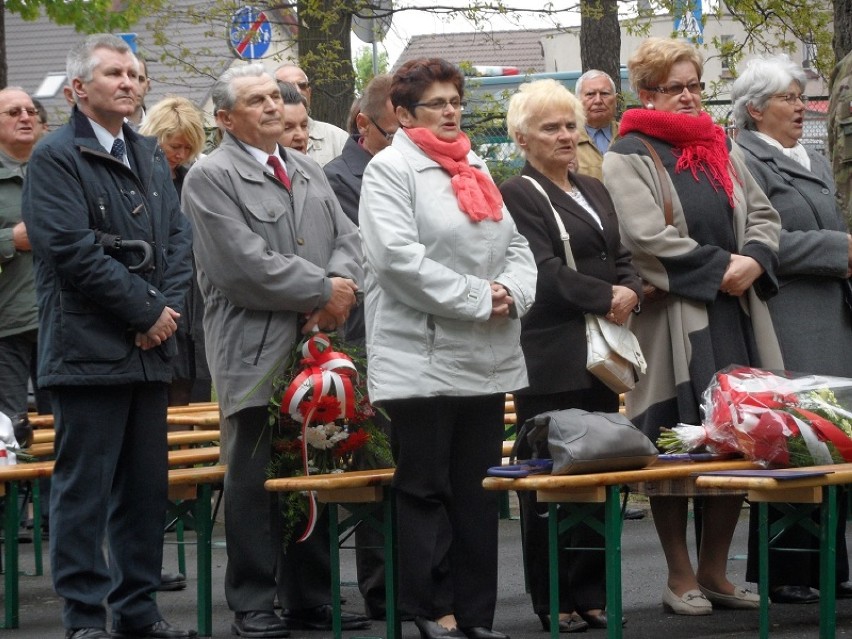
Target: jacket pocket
91 334
266 211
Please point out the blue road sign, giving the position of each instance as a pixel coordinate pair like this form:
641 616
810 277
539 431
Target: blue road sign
250 33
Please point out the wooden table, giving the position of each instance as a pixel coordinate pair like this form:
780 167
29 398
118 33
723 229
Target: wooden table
809 492
362 492
578 494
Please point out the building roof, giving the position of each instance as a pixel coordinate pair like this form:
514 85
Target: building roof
520 48
38 48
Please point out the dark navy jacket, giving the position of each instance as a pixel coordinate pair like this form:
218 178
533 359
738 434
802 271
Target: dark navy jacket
90 304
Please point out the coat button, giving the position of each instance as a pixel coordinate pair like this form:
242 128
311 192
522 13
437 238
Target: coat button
133 193
155 194
152 292
826 191
300 241
603 256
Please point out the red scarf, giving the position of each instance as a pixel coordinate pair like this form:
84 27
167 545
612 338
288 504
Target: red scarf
701 143
476 193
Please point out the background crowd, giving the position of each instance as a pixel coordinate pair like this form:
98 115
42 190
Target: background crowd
707 247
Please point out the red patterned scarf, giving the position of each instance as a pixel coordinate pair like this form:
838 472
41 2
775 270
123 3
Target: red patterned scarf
701 143
476 193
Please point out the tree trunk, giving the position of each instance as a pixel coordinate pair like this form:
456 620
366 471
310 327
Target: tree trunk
325 55
600 38
842 29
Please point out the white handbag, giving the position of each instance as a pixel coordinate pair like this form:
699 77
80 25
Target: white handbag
613 352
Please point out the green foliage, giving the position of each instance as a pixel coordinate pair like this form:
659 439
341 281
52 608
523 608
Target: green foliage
363 64
87 16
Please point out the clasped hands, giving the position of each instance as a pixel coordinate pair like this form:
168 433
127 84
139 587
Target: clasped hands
624 300
163 329
741 273
333 315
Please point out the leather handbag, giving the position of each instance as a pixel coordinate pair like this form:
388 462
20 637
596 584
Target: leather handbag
613 352
581 442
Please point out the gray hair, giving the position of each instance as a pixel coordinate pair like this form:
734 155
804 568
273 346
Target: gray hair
82 59
763 77
223 94
591 74
537 99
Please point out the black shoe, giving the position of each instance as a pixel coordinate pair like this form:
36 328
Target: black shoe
87 633
481 632
171 581
261 624
598 621
320 618
161 629
793 595
844 590
433 630
633 513
574 623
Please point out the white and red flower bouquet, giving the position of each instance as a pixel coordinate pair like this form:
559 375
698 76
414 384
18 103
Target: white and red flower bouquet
322 418
775 419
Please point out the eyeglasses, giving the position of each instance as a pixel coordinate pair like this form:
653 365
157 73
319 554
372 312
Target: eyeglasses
388 136
695 88
791 98
15 112
439 104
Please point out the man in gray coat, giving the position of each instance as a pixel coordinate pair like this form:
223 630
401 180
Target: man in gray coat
276 258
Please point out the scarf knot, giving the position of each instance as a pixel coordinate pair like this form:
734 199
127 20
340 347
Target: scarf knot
700 143
476 193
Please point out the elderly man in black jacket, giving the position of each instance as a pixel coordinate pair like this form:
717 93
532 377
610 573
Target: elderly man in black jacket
112 260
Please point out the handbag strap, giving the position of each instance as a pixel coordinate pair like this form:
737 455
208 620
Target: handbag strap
563 234
664 181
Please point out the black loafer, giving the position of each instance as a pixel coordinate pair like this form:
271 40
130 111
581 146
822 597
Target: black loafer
430 629
87 633
171 581
161 629
793 595
844 590
320 618
481 632
574 623
259 624
633 513
598 621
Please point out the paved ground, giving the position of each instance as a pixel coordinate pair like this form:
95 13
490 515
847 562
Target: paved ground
643 576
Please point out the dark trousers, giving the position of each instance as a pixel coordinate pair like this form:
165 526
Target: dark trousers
110 477
259 566
446 521
582 573
797 568
17 355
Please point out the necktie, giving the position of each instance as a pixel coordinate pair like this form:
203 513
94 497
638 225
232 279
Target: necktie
279 171
117 150
601 140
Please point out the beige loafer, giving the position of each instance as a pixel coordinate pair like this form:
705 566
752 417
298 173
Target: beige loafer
692 602
742 599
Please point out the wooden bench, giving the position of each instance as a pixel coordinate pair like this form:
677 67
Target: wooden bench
176 438
580 495
190 486
806 492
362 492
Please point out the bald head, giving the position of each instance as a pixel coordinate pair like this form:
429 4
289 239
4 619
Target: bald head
294 75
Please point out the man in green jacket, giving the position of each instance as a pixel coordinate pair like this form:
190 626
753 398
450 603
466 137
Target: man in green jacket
18 312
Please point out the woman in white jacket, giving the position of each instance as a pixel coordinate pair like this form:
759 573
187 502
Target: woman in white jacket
447 277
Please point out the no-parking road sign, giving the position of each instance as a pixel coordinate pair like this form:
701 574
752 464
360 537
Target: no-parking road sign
251 33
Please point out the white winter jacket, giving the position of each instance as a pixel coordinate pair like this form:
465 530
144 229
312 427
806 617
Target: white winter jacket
427 274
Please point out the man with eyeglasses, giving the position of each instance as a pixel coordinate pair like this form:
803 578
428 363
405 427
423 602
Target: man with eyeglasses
325 141
19 131
376 123
596 91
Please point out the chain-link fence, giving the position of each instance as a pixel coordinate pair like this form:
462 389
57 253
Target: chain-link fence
486 127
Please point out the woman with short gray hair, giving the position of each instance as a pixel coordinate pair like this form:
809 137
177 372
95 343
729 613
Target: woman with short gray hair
811 313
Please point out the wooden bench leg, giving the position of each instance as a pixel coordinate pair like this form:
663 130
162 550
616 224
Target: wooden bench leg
204 538
613 523
10 529
37 527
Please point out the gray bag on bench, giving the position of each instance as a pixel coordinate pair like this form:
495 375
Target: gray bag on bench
581 442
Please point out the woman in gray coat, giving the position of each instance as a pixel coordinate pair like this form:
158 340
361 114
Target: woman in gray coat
811 313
